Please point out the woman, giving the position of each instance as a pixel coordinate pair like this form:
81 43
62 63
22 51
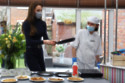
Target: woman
87 45
34 28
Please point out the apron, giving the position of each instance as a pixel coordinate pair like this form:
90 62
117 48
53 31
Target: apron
86 51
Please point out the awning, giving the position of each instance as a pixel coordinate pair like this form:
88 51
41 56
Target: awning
66 3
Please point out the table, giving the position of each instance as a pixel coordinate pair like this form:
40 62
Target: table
86 80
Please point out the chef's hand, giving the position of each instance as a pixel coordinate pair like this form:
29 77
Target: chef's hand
49 42
74 59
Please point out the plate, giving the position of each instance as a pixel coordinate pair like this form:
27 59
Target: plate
22 77
9 80
46 73
63 74
55 79
37 79
75 79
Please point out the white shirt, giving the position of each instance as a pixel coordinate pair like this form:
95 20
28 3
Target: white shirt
87 46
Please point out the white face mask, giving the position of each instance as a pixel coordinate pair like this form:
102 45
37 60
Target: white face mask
38 15
90 28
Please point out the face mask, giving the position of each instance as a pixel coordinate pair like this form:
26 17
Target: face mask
90 28
38 15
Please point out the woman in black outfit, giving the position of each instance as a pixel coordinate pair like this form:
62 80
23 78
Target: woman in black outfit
34 29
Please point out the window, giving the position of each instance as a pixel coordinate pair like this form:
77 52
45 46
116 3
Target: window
61 25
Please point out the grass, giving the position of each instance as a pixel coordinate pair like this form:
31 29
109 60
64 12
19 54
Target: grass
19 63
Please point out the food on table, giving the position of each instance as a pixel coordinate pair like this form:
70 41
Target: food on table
56 79
22 77
75 79
9 80
37 79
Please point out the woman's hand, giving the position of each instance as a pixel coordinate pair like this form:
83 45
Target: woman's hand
49 42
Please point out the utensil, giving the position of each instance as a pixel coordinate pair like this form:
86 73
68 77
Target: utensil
65 41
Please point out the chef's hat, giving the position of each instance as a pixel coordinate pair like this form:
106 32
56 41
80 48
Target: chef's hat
93 19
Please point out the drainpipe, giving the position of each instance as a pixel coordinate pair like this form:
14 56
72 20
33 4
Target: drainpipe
105 32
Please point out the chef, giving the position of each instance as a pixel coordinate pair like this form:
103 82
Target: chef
86 48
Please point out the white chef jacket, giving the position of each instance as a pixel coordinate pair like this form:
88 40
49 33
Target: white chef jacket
87 47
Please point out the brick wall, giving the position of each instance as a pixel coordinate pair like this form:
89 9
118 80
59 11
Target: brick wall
18 14
106 33
63 31
121 30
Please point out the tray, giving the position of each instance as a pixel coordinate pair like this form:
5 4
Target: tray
90 73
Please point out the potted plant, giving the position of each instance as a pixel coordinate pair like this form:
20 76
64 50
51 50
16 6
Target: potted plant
12 45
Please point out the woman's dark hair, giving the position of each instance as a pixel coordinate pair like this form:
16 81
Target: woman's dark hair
31 17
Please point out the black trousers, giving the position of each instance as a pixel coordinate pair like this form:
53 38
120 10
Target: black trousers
34 59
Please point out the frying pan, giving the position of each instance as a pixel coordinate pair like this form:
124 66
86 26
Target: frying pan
65 41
